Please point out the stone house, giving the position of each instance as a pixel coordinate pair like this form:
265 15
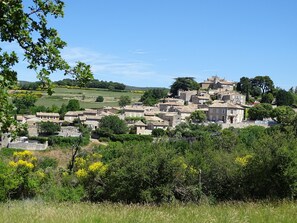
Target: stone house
225 112
186 95
232 97
48 116
71 115
215 82
201 98
158 125
173 118
169 106
134 111
186 111
141 128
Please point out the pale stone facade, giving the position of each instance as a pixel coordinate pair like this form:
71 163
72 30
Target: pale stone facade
225 112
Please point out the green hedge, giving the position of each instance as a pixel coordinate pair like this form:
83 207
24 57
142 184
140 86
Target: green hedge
131 137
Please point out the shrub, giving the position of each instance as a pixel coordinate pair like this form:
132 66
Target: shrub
99 99
131 137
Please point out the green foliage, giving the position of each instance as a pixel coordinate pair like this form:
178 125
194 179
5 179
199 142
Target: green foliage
113 124
23 103
99 99
145 172
285 98
25 23
284 115
260 111
267 98
131 137
63 111
124 100
245 87
135 119
48 128
92 84
152 96
264 83
158 132
183 83
47 162
255 87
73 105
198 116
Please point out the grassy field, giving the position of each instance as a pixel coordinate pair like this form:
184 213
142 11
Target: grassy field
86 97
38 211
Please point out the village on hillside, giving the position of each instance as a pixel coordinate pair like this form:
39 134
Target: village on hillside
216 98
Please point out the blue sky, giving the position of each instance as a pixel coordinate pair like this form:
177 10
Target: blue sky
150 42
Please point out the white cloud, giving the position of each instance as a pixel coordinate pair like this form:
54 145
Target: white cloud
139 52
109 67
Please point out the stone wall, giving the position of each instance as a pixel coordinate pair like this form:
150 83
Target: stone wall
28 145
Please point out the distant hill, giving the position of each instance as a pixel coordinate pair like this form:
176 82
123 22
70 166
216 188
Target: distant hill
133 88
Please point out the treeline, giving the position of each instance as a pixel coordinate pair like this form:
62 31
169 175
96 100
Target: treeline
24 85
262 88
191 163
93 84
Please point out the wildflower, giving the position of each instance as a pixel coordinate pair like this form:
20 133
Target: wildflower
243 161
80 162
81 173
12 164
97 156
95 166
25 163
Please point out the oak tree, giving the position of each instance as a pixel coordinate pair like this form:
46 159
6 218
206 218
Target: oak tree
25 24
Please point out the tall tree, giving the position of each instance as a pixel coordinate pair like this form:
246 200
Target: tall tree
152 96
124 100
25 23
198 116
244 86
183 83
73 105
284 97
284 115
264 83
260 111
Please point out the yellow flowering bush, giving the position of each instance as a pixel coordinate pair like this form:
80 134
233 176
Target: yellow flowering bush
21 163
244 160
23 159
80 162
95 166
23 155
98 167
89 166
81 173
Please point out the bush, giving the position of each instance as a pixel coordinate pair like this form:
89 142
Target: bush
99 99
47 162
158 132
131 137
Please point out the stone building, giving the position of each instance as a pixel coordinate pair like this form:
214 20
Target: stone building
225 112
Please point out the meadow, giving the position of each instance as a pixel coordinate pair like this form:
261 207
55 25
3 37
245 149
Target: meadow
38 211
86 97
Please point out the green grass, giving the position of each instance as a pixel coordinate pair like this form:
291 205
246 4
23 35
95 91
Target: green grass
38 211
86 97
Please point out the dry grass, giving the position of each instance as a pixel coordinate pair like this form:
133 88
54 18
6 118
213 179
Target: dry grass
38 211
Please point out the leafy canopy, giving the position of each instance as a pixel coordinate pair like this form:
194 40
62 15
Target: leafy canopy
124 100
25 24
183 83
